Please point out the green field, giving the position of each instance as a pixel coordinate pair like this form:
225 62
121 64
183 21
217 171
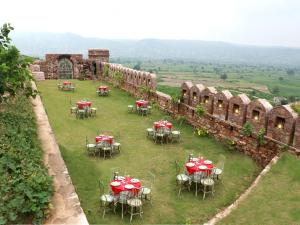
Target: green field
255 80
138 156
275 200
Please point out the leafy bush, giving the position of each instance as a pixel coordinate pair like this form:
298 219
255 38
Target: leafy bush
201 132
118 78
200 110
14 73
106 70
25 187
175 98
247 129
296 108
181 120
231 144
261 136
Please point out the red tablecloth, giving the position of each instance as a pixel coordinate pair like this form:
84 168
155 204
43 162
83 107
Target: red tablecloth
123 183
198 162
83 104
162 123
141 103
102 88
67 83
100 138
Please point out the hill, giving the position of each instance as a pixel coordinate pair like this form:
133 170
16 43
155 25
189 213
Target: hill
37 44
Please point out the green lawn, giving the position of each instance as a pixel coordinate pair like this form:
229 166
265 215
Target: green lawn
138 156
275 200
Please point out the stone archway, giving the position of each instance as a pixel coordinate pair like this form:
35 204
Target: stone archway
65 69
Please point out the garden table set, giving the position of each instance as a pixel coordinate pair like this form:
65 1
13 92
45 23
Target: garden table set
126 192
66 86
200 172
84 109
104 145
162 132
141 107
103 90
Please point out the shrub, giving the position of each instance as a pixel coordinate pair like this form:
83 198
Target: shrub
106 70
231 144
296 108
201 132
25 187
200 110
181 120
261 136
247 129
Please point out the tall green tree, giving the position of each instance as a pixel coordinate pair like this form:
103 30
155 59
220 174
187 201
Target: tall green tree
14 73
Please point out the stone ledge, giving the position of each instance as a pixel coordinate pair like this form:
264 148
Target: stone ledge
65 201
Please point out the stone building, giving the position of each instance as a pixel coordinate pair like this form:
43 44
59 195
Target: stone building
221 104
281 124
195 94
257 112
185 92
207 98
237 109
73 66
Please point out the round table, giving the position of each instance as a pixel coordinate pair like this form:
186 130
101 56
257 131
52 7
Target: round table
100 138
125 184
83 104
102 88
67 83
141 103
162 124
197 164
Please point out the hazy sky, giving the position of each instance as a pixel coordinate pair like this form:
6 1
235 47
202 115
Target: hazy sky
259 22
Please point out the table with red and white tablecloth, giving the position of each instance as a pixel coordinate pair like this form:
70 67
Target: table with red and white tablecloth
67 83
83 104
103 88
141 103
127 183
162 124
199 165
103 137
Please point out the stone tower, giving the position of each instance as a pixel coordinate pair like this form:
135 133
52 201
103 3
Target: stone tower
99 54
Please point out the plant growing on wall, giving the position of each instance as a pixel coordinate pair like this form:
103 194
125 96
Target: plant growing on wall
261 136
296 108
231 144
247 129
145 91
200 110
181 120
14 73
106 71
201 132
175 98
119 78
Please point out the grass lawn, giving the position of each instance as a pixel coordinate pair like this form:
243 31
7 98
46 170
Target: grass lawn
138 156
275 200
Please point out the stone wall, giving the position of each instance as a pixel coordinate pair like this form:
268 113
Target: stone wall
225 114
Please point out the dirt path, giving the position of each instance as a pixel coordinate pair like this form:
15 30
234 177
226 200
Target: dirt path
65 201
221 215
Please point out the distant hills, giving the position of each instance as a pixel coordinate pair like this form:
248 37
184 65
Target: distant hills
37 44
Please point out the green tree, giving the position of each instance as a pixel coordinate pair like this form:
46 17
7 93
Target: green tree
290 72
14 73
275 90
137 66
223 76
